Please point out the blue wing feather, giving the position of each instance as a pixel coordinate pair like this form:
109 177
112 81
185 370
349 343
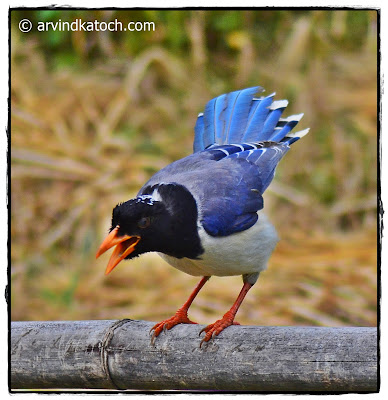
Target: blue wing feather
265 160
239 141
238 114
232 207
217 226
240 117
199 132
209 118
270 124
253 131
220 122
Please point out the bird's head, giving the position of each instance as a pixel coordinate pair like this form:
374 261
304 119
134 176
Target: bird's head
135 229
165 221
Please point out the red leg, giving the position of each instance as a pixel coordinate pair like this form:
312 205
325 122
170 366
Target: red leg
228 318
180 316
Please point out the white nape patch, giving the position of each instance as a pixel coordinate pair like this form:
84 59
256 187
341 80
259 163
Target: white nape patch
156 195
146 199
200 114
149 199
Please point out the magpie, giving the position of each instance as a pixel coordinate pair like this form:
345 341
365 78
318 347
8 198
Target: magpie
203 214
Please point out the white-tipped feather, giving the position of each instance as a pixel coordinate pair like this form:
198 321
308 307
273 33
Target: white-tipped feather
278 104
298 134
239 146
295 117
224 151
264 97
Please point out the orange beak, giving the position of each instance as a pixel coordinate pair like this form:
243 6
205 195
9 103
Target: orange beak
125 245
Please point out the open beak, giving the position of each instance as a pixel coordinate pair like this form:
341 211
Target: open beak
125 245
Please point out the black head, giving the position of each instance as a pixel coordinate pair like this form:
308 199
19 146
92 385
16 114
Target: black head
143 224
139 216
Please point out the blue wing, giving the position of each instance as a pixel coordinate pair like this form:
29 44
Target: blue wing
232 206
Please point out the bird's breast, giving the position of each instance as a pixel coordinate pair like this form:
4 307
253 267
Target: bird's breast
237 254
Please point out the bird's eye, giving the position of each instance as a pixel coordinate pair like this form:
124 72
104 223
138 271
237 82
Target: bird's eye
144 222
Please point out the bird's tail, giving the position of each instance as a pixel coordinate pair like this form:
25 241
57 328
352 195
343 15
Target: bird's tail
243 117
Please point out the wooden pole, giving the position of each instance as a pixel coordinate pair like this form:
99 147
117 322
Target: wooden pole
118 355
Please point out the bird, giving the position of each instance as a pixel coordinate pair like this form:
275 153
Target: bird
203 214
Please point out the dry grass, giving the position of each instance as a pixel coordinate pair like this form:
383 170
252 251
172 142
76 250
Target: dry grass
84 140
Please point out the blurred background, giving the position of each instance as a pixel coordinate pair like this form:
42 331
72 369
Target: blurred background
95 114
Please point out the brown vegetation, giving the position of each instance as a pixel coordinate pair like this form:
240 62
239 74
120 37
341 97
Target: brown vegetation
86 136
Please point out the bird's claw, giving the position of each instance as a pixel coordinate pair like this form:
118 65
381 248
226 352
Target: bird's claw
202 330
180 317
216 328
153 337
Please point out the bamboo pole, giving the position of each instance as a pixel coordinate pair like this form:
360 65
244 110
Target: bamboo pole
118 355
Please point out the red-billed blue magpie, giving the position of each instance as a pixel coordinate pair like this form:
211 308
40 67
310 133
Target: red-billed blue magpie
204 213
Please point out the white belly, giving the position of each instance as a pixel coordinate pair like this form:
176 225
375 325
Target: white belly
245 252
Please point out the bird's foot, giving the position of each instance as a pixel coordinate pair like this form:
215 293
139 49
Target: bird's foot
180 317
217 327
